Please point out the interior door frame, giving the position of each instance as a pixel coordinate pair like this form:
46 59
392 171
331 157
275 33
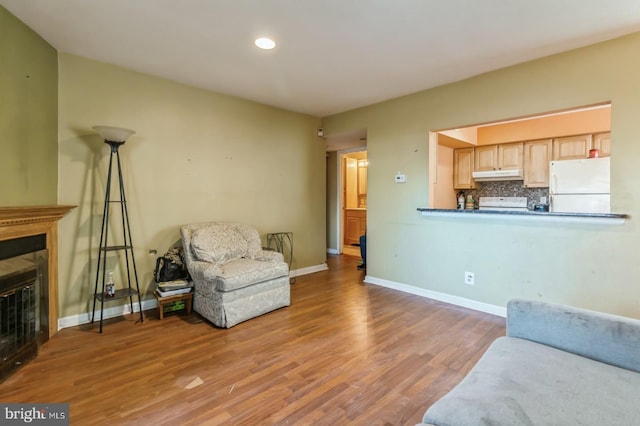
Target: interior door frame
340 211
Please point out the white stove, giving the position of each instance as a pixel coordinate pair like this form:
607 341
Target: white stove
503 204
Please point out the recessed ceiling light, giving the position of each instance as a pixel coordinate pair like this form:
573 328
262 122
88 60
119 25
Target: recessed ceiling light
265 43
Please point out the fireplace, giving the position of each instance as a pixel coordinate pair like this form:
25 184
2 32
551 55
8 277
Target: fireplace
24 322
28 280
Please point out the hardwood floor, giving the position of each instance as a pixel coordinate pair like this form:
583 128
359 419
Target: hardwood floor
344 352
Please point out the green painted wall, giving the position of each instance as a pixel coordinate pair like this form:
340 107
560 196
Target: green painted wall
196 156
28 115
589 265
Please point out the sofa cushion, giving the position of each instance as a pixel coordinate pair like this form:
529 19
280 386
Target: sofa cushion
218 244
245 272
519 382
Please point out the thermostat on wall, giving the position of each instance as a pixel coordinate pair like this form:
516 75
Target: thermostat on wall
400 178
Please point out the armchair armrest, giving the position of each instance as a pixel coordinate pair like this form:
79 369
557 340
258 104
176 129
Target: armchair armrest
269 256
203 271
602 337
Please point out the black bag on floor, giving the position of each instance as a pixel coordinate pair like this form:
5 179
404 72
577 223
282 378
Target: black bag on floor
171 266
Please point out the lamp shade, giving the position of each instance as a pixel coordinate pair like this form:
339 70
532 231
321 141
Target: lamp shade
113 134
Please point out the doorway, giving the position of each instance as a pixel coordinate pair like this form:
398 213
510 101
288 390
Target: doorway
350 144
353 190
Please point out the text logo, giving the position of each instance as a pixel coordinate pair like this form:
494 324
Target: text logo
36 414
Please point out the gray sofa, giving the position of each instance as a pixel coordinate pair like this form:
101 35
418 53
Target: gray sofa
557 365
234 278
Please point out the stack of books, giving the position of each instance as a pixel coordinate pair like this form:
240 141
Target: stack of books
173 288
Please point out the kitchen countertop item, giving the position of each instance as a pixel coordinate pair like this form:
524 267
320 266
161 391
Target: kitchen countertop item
541 208
503 203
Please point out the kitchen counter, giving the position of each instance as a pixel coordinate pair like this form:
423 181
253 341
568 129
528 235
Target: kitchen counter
602 218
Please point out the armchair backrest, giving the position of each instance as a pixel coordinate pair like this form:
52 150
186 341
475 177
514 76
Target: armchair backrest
219 242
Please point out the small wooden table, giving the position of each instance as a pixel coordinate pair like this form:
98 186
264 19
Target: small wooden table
187 297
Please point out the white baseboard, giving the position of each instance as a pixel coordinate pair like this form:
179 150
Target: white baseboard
442 297
333 251
308 270
115 311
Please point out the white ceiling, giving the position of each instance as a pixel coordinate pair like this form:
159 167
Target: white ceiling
331 55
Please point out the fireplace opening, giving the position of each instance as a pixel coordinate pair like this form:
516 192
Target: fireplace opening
24 317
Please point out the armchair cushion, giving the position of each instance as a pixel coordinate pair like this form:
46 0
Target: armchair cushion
218 245
245 272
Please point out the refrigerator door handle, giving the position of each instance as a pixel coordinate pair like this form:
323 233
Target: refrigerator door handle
554 183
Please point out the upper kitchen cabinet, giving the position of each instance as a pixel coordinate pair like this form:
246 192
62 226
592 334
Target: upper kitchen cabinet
463 160
537 155
486 158
602 141
572 147
508 156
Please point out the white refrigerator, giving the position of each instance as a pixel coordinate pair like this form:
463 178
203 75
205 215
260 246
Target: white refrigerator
580 186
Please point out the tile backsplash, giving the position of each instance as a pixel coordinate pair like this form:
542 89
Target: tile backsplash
512 188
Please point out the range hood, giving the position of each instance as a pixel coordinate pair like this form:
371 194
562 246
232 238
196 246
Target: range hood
497 175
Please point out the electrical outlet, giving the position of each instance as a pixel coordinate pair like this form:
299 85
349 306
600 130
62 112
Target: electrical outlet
469 278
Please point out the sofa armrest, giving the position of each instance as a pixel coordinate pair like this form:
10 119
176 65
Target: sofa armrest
607 338
269 256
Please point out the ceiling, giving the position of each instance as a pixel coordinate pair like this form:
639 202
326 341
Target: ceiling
331 55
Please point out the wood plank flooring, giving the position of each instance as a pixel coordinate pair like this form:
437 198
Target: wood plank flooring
344 352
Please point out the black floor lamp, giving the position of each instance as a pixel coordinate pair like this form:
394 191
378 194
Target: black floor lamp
115 137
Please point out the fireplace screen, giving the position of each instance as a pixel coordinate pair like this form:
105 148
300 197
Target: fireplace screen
21 289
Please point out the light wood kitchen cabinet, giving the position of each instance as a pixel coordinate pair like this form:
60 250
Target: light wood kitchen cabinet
355 225
602 141
571 147
463 160
508 156
486 158
537 155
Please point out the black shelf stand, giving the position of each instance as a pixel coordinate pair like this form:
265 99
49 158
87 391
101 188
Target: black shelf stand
130 291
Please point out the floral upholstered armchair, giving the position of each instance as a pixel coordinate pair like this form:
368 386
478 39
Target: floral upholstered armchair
234 278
